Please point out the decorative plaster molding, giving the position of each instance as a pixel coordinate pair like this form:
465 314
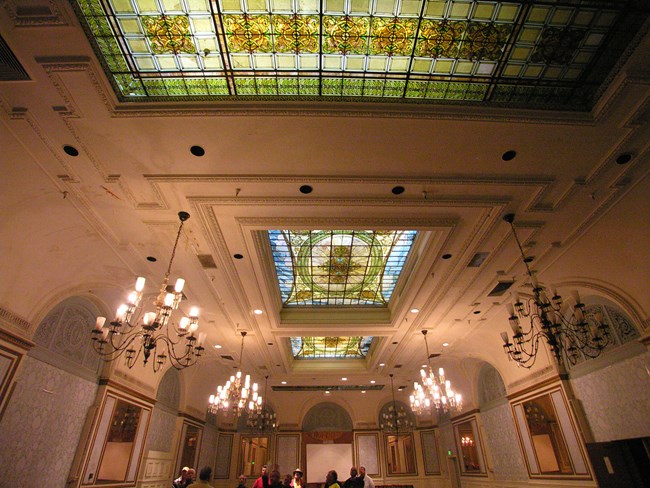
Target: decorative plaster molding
16 340
28 15
386 223
12 319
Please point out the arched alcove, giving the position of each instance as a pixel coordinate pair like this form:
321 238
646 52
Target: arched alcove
163 418
491 388
327 416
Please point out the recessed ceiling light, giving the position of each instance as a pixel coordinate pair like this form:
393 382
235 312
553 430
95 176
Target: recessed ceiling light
283 382
71 151
476 312
445 344
306 189
152 259
327 392
363 391
257 311
415 310
509 155
238 256
197 151
372 382
217 346
624 158
398 190
344 379
382 364
446 256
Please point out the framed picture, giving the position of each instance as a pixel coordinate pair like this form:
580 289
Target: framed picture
9 361
430 452
367 452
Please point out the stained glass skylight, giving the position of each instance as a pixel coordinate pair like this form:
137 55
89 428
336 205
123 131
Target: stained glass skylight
339 267
330 347
546 53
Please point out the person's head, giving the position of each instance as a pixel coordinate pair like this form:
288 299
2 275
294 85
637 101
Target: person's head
362 471
274 477
242 479
191 474
297 473
265 470
205 473
184 472
332 477
287 480
353 472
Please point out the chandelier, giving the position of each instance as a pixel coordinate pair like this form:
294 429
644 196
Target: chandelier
435 391
264 420
237 395
395 418
567 337
466 441
133 333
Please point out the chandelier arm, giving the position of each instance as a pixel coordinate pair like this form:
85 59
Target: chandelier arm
117 349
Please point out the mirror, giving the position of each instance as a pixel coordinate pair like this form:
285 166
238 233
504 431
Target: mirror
119 442
400 454
191 439
468 447
253 455
546 434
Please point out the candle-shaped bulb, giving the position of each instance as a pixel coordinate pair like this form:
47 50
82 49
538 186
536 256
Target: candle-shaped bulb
133 297
139 284
576 296
194 312
441 371
149 318
201 339
180 283
183 323
211 399
121 310
169 299
511 309
99 323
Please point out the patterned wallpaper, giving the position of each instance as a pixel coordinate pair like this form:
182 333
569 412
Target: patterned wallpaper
503 444
606 393
208 454
160 436
42 425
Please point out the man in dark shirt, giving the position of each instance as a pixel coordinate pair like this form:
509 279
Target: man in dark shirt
353 481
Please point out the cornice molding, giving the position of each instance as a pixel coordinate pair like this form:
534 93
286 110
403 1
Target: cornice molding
386 223
16 340
36 16
14 320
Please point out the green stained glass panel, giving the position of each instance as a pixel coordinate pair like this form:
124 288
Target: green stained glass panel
338 267
330 347
363 48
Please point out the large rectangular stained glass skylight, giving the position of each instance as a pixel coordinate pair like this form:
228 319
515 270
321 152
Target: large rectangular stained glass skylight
330 347
339 267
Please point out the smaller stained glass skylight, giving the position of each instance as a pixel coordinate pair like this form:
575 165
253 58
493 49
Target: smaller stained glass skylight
330 347
339 267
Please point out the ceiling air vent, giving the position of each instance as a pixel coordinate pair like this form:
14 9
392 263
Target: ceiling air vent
477 259
397 366
207 261
227 358
434 355
10 67
500 288
327 388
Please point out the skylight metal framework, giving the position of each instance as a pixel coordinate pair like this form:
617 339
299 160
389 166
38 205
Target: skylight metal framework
330 347
339 267
546 53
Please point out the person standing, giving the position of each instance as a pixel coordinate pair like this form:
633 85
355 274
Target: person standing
242 481
183 480
204 476
274 479
368 482
353 481
262 481
296 482
287 481
332 479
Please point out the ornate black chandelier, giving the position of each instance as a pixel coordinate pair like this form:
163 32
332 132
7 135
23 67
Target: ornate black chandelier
395 419
567 336
133 333
264 420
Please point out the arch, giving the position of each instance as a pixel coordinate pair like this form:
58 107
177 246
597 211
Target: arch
65 333
327 416
491 388
169 390
404 413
